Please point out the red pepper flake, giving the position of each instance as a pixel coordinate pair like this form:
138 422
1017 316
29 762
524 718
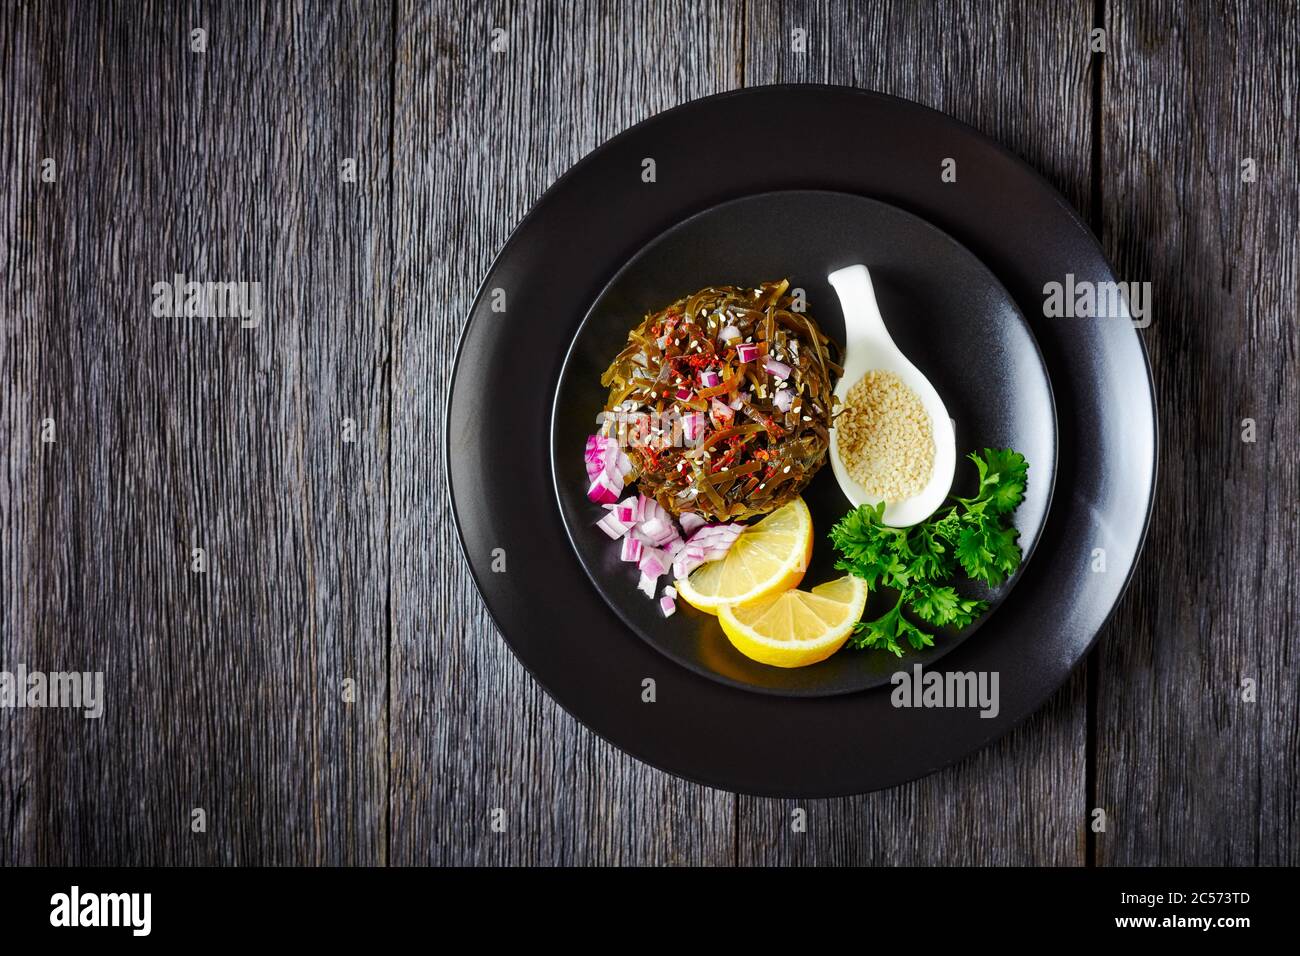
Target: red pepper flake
724 461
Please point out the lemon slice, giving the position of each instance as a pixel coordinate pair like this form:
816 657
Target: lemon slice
796 628
770 556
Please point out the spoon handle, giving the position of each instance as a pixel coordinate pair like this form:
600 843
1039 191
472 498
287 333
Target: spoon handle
864 328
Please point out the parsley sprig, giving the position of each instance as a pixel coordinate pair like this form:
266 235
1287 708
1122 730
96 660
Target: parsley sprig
974 534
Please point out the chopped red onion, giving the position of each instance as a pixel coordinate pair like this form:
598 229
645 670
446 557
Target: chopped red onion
710 542
779 369
684 393
783 399
605 489
729 334
709 378
604 458
647 585
647 534
691 522
692 425
612 526
668 606
652 563
747 352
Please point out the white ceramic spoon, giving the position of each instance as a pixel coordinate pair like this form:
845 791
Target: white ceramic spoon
868 347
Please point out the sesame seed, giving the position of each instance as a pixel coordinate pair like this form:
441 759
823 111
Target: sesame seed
885 438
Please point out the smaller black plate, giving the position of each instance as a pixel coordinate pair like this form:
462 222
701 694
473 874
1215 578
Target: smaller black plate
944 309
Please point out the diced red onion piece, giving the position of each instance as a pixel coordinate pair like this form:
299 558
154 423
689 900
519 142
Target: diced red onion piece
747 352
652 563
670 591
683 393
612 526
783 399
779 369
692 425
647 585
729 334
668 606
605 489
691 522
709 378
631 549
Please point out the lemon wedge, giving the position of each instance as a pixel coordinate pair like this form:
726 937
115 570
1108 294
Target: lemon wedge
769 557
796 628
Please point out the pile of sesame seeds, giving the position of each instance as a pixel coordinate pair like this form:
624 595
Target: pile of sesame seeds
884 436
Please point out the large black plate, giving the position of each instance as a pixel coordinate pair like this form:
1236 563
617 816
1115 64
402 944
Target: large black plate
497 447
944 310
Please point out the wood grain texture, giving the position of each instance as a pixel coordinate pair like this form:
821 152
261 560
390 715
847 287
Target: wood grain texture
1024 80
478 136
224 689
1188 771
332 559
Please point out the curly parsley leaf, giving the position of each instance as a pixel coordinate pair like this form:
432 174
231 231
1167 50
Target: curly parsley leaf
973 534
944 605
870 549
1003 478
888 631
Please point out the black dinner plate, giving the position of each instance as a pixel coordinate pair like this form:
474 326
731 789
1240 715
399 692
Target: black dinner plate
498 438
944 309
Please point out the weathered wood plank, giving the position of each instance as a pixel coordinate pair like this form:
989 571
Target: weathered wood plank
478 136
224 689
1188 771
1023 80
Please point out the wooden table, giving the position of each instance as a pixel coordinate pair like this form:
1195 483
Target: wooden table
332 567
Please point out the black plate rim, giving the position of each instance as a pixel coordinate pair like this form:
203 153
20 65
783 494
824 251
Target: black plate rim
633 748
618 274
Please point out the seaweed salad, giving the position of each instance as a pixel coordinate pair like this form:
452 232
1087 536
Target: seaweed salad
723 401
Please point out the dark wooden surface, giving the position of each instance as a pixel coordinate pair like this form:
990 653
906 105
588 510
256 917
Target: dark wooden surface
334 560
